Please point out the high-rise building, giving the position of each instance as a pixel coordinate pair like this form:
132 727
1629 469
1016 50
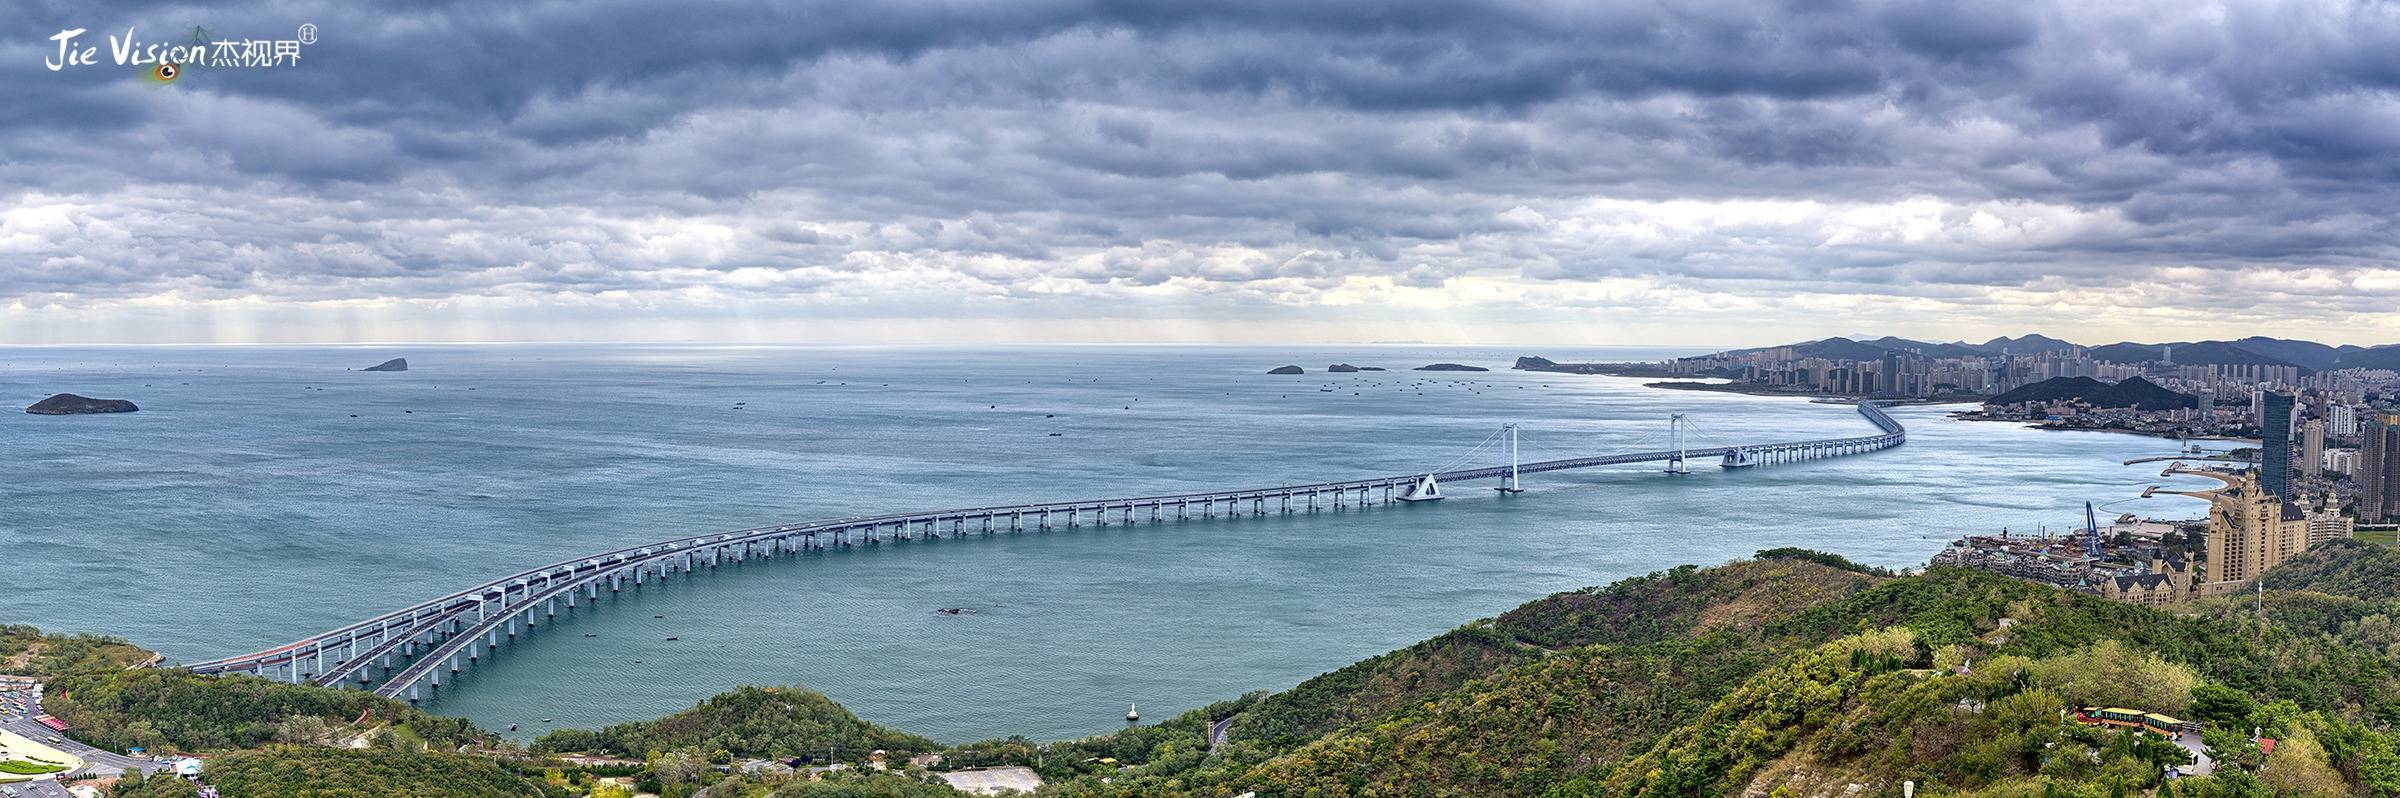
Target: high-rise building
2249 531
2312 448
2378 469
2275 443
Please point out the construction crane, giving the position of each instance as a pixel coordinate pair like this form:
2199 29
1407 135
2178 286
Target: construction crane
2091 530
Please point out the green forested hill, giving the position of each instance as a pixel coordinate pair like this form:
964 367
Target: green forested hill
176 710
294 771
2341 567
1794 678
26 651
1794 675
749 722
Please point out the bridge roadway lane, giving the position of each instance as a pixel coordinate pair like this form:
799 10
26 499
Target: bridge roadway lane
567 575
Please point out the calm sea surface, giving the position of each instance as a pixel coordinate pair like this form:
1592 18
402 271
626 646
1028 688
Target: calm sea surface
265 493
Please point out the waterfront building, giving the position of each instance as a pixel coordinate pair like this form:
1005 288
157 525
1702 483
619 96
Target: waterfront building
2168 580
2250 530
2275 443
2378 470
2141 572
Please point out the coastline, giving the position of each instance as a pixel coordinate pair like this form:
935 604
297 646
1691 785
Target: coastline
1977 415
1687 383
1759 390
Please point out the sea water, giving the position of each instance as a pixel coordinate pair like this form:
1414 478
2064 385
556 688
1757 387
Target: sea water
265 493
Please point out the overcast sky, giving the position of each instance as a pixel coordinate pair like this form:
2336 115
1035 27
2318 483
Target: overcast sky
1277 170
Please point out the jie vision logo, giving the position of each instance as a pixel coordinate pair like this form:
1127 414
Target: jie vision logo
165 61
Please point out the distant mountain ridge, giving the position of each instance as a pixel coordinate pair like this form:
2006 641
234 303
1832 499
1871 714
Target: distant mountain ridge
2256 350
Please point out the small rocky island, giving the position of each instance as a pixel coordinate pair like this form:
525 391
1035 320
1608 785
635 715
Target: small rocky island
1342 368
1451 367
67 404
1288 370
394 364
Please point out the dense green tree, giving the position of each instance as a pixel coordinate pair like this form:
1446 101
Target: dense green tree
164 709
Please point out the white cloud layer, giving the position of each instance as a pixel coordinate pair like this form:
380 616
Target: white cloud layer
1496 171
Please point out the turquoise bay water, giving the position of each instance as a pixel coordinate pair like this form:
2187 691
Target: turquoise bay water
245 506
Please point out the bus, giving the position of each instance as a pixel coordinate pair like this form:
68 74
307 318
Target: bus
2122 718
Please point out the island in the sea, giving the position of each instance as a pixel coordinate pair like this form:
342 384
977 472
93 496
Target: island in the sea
1451 367
67 404
394 364
1287 370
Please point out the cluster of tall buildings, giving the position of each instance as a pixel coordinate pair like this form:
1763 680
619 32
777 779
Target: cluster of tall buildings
2251 530
1911 373
2377 472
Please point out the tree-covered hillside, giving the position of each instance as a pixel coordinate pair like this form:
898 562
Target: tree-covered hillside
172 710
27 651
317 772
1795 678
1793 674
774 722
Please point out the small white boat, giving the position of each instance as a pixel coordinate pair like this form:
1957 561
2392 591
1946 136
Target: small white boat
1133 713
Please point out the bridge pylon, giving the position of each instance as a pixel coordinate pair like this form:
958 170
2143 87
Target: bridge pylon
1508 481
1675 463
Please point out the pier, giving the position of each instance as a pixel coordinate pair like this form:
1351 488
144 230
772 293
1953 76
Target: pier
406 652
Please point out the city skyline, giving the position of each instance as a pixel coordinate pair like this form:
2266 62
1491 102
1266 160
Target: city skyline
1455 172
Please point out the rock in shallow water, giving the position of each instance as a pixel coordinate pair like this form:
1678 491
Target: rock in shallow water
394 364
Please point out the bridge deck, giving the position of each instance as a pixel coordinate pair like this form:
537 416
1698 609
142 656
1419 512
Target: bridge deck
452 629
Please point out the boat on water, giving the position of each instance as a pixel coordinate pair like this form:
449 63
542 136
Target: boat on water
1133 713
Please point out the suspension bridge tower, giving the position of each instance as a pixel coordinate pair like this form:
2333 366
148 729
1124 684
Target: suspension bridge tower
1675 428
1508 481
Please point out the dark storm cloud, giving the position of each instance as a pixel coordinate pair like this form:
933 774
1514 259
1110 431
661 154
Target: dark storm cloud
914 153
